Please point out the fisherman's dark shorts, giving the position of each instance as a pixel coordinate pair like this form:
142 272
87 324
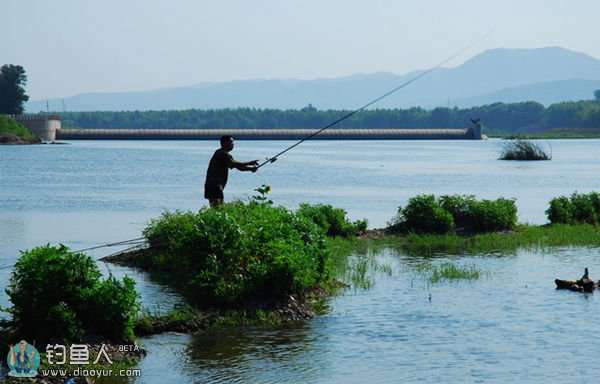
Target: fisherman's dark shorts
213 192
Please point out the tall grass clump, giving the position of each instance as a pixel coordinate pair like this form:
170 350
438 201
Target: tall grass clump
447 271
577 209
521 149
332 220
447 214
238 252
58 294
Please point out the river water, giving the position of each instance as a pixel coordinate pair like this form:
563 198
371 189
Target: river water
508 325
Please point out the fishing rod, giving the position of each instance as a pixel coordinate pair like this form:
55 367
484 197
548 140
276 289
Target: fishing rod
408 82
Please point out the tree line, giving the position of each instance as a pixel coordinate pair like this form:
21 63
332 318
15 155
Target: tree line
496 118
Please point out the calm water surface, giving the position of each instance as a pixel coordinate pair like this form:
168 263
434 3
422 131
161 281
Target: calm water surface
509 325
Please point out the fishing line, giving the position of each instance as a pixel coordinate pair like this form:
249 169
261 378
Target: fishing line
137 241
133 244
422 74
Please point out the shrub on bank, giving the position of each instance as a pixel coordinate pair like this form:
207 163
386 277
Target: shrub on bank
238 251
578 209
60 294
426 214
332 220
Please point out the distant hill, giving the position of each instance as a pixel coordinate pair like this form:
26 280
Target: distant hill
546 75
545 93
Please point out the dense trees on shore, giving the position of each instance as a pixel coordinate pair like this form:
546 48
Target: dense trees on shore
12 89
496 118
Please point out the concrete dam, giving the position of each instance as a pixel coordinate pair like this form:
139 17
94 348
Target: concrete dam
269 134
48 128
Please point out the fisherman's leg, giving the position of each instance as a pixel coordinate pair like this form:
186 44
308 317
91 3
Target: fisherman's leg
214 202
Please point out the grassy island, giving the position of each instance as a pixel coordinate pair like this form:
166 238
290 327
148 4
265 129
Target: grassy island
242 262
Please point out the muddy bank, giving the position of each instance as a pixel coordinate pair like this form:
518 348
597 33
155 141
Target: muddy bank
191 320
7 138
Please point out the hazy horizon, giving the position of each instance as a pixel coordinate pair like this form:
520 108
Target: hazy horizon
70 47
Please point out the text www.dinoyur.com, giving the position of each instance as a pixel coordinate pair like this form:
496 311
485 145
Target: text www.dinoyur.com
92 372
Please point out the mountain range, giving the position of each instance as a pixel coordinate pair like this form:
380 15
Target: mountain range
546 75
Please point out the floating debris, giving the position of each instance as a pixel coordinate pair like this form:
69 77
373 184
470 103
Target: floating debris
585 284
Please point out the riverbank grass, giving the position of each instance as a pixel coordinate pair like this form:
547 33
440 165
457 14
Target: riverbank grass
12 132
447 271
523 236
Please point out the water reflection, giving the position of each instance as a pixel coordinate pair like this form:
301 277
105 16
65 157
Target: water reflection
235 355
240 355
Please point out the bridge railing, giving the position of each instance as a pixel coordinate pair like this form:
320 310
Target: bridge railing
37 116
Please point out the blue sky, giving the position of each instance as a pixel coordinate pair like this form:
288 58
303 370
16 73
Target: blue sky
69 47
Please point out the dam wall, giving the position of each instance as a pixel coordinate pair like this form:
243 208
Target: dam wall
48 128
473 133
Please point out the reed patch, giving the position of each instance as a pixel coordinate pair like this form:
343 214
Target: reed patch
523 149
447 271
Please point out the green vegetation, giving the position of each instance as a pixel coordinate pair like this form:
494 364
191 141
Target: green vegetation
355 261
579 208
520 149
9 127
498 118
555 133
426 214
435 273
182 319
253 263
332 220
522 236
423 214
59 294
12 91
237 252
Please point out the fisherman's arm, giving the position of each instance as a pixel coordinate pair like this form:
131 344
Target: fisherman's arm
247 166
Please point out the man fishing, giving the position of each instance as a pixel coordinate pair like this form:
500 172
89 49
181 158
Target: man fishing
218 170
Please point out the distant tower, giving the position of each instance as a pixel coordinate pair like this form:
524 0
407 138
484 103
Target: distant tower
476 129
